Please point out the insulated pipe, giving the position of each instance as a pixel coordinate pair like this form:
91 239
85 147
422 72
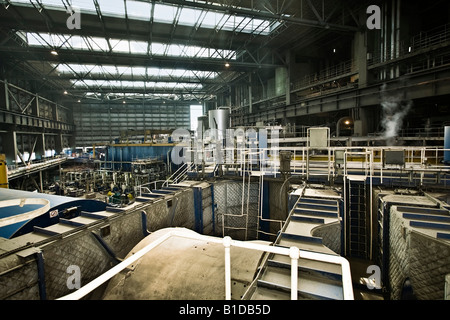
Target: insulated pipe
227 244
294 254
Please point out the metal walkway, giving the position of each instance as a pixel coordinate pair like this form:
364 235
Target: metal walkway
316 280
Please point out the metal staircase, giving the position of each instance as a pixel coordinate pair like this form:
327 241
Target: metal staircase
317 280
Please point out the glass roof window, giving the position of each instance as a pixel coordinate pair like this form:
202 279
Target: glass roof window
118 71
164 13
56 41
108 84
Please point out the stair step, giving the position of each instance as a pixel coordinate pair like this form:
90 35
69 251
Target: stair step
82 220
144 199
53 230
315 213
163 192
263 293
301 238
310 264
96 215
442 235
307 246
114 209
306 219
300 228
151 195
429 225
172 188
315 268
427 217
317 206
318 201
308 286
71 222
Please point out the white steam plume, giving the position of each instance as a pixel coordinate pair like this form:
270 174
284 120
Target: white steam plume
395 108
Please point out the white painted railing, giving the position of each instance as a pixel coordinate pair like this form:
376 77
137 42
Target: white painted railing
294 253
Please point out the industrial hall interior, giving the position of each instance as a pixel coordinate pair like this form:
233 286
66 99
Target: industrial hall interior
224 150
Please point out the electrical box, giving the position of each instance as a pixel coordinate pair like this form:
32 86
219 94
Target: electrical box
339 156
319 137
285 162
395 157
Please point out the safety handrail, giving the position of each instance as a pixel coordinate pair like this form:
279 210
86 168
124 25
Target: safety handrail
293 252
177 175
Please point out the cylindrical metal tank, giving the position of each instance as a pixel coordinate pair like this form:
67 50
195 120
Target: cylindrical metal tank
219 120
447 145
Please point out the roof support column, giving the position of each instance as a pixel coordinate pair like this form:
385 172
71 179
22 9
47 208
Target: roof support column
250 100
288 77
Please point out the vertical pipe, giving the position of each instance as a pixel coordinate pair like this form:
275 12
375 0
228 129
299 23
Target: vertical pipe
250 99
41 275
213 215
227 244
371 202
294 254
345 203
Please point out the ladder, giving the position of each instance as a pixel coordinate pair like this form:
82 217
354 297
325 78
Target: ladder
358 231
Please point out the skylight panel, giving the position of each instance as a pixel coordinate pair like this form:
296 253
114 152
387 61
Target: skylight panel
86 6
116 84
164 13
117 71
112 7
66 41
139 10
189 16
212 19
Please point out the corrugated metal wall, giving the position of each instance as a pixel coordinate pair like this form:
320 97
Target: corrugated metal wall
102 122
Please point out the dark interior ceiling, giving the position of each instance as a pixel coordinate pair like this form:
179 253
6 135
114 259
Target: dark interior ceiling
250 35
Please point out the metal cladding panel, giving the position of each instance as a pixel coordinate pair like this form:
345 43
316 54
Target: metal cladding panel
127 154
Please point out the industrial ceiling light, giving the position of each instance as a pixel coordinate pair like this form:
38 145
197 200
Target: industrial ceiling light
65 91
227 65
54 52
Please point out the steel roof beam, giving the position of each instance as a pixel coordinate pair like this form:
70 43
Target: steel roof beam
259 14
119 58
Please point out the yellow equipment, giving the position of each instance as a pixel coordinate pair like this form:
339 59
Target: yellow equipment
3 172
